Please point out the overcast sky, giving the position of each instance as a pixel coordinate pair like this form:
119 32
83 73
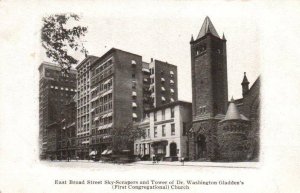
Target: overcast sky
163 31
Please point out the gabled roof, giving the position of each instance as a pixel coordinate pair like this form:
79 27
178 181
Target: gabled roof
207 27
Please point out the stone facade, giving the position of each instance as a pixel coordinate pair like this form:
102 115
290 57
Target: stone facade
214 136
233 140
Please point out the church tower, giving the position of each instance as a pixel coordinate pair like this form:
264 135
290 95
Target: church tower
209 72
209 87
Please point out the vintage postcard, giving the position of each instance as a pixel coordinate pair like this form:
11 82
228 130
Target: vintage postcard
148 96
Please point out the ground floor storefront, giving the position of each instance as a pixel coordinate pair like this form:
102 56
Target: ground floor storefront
165 149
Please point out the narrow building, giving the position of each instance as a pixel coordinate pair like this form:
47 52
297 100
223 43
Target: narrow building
163 83
83 122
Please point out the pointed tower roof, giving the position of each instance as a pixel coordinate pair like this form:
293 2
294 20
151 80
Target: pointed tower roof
192 38
232 112
245 79
207 27
223 36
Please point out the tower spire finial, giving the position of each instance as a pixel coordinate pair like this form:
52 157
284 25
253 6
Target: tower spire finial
245 84
223 36
207 27
192 38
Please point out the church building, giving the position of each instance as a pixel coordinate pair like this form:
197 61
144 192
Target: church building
221 130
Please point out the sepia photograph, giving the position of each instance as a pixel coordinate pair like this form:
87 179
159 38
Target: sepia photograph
147 96
116 107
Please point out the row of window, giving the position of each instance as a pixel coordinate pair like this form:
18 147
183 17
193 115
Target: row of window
102 108
104 86
163 130
62 88
102 121
102 75
84 68
163 114
102 67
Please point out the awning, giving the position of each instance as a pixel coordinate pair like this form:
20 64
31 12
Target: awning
109 114
93 110
108 125
107 81
171 72
145 80
163 98
171 81
134 104
109 152
85 142
100 127
96 119
162 79
134 115
64 128
93 89
163 88
151 87
133 62
172 90
106 136
145 70
107 92
93 153
133 93
72 124
104 152
172 100
163 142
94 99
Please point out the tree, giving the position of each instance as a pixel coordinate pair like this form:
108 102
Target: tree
123 138
59 39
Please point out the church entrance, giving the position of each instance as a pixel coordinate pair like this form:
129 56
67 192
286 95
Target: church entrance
173 150
201 146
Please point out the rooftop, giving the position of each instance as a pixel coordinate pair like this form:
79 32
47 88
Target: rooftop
169 105
207 27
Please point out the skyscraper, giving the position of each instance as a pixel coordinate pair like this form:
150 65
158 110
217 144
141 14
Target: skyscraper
55 90
116 95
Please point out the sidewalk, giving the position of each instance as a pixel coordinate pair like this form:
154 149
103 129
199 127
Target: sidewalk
203 164
177 163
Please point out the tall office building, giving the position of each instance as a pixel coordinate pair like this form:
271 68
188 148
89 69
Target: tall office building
116 95
55 90
83 107
163 83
